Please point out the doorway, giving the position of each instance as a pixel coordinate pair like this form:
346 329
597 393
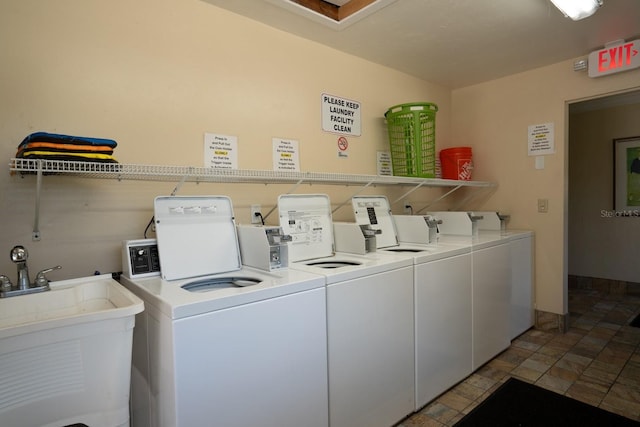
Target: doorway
601 254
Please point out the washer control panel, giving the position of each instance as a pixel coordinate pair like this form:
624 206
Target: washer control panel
140 258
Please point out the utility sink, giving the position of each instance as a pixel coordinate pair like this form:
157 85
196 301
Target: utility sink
65 354
69 302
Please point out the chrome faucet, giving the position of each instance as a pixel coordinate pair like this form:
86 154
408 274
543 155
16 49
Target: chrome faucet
24 286
19 255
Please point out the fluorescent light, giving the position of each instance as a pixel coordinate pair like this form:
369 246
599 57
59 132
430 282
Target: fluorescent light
577 9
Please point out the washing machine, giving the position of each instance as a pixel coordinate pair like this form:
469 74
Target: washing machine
442 296
521 246
491 281
369 318
222 344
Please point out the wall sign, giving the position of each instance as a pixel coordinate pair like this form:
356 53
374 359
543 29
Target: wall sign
541 139
285 155
340 115
343 143
220 151
343 147
385 167
614 58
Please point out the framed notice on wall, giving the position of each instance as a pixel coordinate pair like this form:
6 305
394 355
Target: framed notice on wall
626 176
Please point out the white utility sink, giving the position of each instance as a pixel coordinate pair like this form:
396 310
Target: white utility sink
69 302
65 354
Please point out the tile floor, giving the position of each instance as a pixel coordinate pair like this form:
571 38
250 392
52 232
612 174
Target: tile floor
597 362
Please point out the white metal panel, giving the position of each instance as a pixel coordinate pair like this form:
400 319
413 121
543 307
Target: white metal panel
455 223
522 313
491 302
307 219
490 220
412 229
371 349
261 364
196 236
443 325
376 211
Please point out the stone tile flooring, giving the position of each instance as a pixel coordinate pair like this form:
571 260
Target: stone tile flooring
597 361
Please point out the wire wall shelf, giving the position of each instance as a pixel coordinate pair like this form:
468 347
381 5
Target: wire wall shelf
201 174
181 174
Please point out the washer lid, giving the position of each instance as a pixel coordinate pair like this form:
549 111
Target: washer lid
376 212
307 219
196 236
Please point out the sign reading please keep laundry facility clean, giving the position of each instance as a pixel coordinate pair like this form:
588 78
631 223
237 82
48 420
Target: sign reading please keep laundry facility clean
340 115
616 57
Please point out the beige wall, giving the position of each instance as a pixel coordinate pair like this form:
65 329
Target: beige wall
493 118
157 74
601 244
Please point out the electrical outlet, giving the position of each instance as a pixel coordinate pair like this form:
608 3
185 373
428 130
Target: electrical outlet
256 214
408 209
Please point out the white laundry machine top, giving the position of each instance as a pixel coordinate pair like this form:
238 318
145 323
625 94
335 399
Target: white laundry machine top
196 236
376 211
460 231
482 240
516 234
201 264
307 219
495 221
189 297
485 238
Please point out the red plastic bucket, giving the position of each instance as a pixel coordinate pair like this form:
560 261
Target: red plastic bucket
456 163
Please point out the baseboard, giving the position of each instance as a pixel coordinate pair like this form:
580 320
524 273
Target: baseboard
617 287
546 321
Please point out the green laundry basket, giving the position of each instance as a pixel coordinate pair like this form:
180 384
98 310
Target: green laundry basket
412 138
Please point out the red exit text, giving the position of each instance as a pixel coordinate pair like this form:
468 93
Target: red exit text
614 59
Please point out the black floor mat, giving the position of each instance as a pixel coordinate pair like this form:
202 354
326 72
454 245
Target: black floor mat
635 322
517 403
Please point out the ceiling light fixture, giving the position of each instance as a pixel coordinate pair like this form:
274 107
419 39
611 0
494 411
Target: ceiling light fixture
577 9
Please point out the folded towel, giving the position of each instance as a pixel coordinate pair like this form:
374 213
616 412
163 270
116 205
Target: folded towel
79 157
51 146
67 139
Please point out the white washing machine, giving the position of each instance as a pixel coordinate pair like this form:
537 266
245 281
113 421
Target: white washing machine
442 286
220 344
521 245
491 282
522 285
369 318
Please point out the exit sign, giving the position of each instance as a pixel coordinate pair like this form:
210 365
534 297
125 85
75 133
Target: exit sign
615 58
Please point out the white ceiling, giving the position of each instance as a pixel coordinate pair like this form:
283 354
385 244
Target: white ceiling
456 43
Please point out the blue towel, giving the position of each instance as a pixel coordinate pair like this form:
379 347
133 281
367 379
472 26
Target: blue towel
67 139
